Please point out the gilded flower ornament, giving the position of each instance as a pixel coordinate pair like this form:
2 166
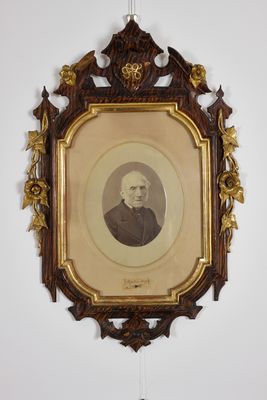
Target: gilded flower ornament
198 75
229 181
230 186
68 75
35 192
36 188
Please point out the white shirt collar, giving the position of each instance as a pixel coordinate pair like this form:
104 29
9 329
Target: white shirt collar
128 205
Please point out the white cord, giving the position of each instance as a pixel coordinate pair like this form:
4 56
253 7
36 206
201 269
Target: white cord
131 7
142 375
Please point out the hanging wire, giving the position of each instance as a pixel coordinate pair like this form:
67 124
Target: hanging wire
131 11
142 375
131 7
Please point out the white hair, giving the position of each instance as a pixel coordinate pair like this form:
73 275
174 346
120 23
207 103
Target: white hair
126 178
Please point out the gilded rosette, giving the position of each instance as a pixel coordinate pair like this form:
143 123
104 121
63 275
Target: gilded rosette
230 186
35 191
68 75
36 188
198 75
229 181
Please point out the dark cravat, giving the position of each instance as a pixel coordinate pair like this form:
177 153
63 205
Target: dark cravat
139 217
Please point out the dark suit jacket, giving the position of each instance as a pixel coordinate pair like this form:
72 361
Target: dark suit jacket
124 226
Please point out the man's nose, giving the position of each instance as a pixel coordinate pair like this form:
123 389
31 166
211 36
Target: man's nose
138 192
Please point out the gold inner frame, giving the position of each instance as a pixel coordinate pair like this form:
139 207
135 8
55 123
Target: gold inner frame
67 264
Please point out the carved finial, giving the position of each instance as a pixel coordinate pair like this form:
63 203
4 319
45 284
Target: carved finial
45 106
45 93
220 92
219 104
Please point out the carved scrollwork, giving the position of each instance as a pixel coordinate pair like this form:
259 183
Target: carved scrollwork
135 331
229 181
36 188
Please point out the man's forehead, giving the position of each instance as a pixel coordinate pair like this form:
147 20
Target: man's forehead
134 180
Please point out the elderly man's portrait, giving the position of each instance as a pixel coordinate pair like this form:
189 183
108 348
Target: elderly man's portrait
134 204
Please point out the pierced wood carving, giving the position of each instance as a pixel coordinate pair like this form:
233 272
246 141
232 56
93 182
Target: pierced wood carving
132 74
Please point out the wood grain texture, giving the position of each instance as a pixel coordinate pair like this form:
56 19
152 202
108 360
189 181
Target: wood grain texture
47 171
133 46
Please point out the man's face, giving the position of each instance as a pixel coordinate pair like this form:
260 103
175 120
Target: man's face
134 191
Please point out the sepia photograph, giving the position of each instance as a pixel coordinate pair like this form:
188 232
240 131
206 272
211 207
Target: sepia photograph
133 210
136 204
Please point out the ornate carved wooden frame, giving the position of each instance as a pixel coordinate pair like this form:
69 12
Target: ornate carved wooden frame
132 75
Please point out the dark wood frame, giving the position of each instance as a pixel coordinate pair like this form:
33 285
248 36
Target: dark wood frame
130 46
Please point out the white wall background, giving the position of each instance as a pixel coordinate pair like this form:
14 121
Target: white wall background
45 354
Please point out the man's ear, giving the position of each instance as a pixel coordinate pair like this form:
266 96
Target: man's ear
122 194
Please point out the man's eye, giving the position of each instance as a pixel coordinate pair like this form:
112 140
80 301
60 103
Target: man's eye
132 188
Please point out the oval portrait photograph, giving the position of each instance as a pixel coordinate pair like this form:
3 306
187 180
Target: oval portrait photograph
134 204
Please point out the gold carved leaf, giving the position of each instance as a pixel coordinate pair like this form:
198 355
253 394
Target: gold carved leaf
38 222
239 195
223 196
44 125
228 222
27 201
229 141
36 141
228 150
231 136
